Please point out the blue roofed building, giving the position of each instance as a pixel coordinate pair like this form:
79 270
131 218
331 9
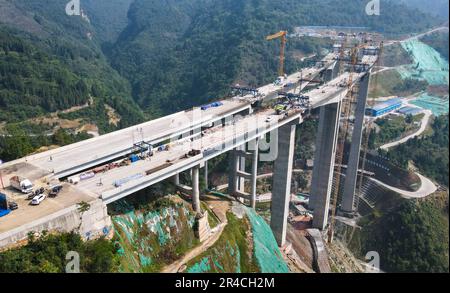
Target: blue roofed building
384 107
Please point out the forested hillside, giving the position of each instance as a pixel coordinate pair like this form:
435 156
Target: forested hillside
156 57
434 7
182 53
429 154
50 61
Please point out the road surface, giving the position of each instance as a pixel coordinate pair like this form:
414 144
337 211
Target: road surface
427 187
423 127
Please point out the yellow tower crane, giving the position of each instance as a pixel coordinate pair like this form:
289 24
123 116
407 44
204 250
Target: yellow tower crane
280 35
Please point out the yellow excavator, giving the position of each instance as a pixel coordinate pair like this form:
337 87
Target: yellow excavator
283 36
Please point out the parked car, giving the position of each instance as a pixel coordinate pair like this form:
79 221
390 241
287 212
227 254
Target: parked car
269 119
38 199
13 205
55 190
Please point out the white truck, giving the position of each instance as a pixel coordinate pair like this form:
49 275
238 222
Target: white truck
22 184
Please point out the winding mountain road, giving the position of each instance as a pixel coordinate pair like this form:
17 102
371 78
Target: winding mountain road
423 127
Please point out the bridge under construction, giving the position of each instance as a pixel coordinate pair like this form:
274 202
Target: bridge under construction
107 168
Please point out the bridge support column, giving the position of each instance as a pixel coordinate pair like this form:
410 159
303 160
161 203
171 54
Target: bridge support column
232 176
255 153
176 179
335 70
348 199
241 159
206 175
196 190
324 160
281 186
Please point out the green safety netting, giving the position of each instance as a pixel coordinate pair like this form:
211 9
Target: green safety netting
141 234
437 105
267 253
428 65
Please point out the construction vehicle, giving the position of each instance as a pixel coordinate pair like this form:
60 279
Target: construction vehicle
280 35
22 184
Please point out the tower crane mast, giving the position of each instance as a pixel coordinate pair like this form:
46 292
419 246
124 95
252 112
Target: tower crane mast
283 36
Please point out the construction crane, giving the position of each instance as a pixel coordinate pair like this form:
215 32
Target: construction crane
342 135
280 35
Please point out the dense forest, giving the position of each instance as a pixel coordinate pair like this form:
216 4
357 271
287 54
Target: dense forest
47 254
146 58
412 236
439 41
50 61
429 154
176 64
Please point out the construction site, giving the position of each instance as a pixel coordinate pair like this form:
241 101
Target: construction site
49 187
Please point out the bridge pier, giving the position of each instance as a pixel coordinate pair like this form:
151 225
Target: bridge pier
281 186
206 175
254 178
241 158
348 199
176 179
196 190
324 160
232 176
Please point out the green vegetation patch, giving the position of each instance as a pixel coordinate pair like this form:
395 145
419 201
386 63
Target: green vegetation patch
390 83
48 255
393 128
232 253
429 154
412 237
148 239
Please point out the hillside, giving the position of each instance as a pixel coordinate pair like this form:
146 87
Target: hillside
410 237
173 65
435 7
51 61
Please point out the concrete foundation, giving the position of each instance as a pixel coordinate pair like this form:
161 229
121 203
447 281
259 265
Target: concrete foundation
281 186
348 199
324 161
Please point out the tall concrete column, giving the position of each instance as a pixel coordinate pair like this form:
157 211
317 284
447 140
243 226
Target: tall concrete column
281 186
241 159
324 160
176 179
351 176
196 190
232 176
206 175
255 153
